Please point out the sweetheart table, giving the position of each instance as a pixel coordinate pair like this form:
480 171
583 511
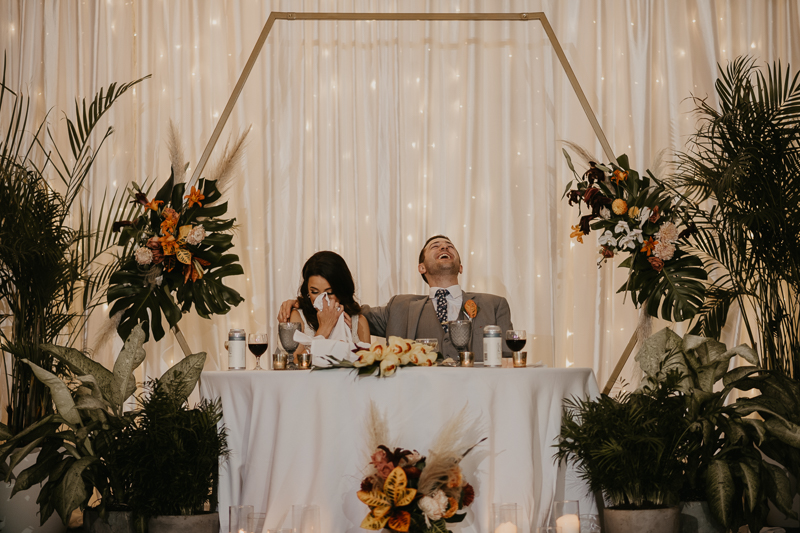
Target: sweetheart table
299 437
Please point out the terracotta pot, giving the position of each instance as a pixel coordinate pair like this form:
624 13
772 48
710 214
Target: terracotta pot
642 521
696 517
117 522
198 523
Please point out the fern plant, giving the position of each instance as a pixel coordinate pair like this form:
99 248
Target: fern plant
631 448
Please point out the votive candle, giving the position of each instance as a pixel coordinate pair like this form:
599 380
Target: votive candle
569 523
506 527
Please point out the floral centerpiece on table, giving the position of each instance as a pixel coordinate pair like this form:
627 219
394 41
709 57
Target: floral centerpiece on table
408 492
174 253
385 359
635 215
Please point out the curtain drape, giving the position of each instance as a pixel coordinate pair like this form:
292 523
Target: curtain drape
368 137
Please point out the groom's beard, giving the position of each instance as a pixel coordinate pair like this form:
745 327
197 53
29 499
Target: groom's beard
443 270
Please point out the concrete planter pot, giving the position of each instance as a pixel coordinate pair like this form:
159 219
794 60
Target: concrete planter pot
696 517
199 523
117 522
642 521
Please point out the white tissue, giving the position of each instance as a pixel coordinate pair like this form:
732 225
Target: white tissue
339 344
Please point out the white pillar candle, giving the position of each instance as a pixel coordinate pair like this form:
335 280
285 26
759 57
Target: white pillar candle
506 527
569 523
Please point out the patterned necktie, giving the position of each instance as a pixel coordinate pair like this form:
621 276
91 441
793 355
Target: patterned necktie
441 307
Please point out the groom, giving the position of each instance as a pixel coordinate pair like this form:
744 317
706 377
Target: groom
424 316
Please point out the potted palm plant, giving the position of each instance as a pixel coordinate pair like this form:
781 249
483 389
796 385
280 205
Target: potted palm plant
631 449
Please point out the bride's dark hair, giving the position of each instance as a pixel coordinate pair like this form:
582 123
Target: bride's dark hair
333 268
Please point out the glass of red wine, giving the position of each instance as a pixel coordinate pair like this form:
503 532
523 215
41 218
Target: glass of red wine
515 340
258 344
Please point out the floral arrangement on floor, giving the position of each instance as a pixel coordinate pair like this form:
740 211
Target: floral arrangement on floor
634 214
174 252
385 359
408 492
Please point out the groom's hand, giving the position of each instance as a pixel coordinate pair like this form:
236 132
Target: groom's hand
286 310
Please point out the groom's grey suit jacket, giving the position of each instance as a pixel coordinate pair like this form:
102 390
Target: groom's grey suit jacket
413 316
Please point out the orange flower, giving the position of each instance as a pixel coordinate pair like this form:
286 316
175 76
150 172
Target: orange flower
576 232
194 197
648 246
471 308
153 204
168 226
168 244
619 206
619 175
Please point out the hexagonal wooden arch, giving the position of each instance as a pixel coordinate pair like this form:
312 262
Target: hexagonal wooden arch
514 17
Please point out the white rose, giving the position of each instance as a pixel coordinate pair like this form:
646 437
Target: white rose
605 213
432 507
144 255
364 358
389 365
196 236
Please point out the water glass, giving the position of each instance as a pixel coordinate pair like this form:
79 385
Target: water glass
460 332
237 518
505 518
305 518
548 529
286 335
255 522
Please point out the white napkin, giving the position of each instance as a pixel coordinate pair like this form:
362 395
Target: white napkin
339 344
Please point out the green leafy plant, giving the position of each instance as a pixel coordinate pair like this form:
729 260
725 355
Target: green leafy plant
174 251
170 457
630 448
53 252
740 184
725 464
635 215
79 444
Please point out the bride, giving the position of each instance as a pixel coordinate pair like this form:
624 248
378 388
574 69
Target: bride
328 292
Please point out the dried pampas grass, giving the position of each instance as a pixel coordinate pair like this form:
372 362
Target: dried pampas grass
225 167
447 451
582 153
107 330
176 157
377 428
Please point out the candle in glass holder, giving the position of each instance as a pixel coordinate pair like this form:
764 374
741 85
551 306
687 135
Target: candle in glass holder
506 527
569 523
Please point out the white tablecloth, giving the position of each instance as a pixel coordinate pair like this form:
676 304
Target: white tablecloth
299 437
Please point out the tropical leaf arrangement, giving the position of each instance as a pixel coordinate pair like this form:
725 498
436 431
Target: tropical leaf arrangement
635 215
174 258
408 492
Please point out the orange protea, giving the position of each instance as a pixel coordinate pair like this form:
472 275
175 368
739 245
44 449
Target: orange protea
619 175
194 197
576 232
648 246
619 206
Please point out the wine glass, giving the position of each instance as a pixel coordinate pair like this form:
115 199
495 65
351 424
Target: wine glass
515 340
258 344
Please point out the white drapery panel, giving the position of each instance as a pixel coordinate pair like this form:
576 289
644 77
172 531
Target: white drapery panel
369 137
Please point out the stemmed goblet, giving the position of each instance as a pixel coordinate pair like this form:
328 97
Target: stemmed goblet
286 335
460 332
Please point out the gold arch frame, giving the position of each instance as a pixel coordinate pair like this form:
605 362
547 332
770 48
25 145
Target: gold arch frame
513 17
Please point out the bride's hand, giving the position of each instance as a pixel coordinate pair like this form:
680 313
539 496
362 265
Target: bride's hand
328 317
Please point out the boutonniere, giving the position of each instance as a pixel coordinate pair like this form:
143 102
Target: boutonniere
471 309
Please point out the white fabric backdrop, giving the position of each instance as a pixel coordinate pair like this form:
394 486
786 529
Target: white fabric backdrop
369 137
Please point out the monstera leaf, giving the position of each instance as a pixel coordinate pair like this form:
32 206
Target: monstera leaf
675 294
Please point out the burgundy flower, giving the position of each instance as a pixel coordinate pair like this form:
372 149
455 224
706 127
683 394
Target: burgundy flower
366 485
656 263
584 223
655 216
608 253
594 173
575 196
691 229
119 224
